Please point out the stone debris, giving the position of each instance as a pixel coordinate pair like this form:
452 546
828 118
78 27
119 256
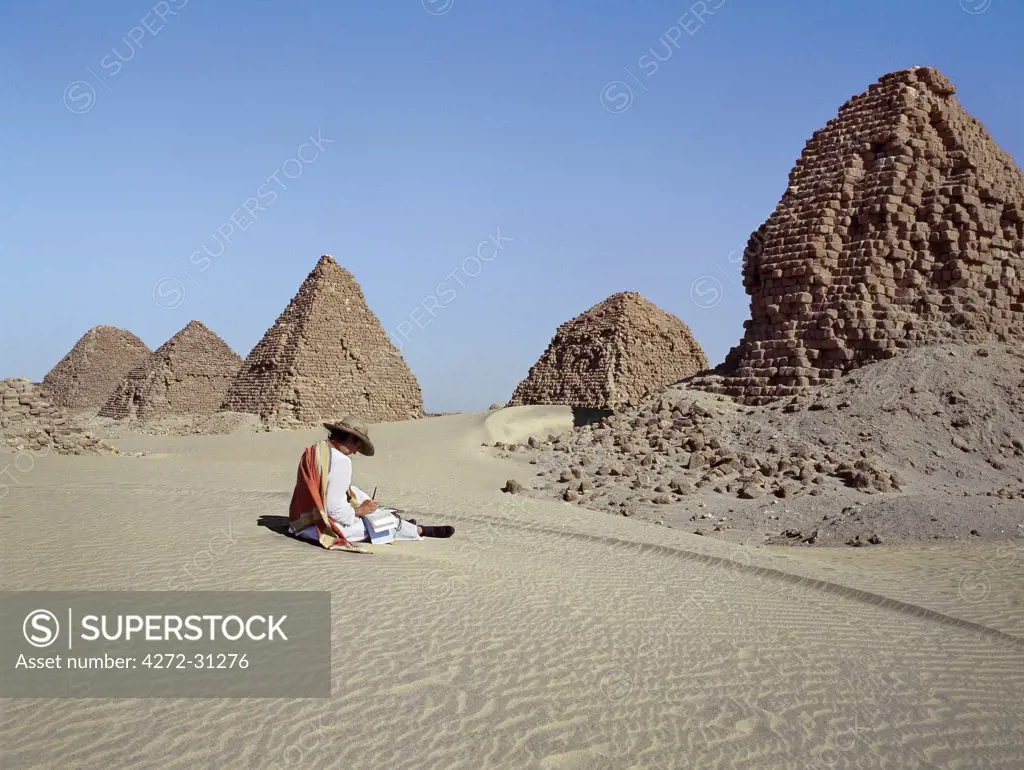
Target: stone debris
29 421
892 438
326 355
612 356
187 375
902 226
93 368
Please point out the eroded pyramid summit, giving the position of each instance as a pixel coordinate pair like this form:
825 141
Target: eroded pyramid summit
326 355
611 356
187 375
92 369
902 225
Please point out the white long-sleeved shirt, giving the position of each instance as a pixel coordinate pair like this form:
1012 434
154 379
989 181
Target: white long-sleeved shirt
337 504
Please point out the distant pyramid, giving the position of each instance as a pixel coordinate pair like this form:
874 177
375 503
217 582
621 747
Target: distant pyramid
326 355
611 356
903 225
92 369
185 376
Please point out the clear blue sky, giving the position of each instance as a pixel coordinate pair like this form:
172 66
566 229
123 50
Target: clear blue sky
445 126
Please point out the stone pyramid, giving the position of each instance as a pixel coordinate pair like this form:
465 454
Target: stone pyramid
327 355
187 375
611 356
92 369
901 226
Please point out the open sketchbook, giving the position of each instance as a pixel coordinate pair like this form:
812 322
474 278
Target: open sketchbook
381 525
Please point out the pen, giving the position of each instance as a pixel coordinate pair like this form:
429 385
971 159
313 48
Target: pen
374 494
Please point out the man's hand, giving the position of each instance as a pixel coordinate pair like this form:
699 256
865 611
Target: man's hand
366 507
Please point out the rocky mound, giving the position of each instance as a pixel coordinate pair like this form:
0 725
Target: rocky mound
326 355
902 226
939 423
612 356
30 422
92 369
187 375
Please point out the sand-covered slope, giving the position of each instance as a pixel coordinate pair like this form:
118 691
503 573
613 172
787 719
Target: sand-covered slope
543 635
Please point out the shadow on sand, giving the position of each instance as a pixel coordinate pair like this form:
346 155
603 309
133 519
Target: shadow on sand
585 416
279 526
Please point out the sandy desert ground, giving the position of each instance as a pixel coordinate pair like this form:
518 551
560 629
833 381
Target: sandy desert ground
543 635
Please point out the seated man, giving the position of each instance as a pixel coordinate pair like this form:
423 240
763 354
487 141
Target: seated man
325 507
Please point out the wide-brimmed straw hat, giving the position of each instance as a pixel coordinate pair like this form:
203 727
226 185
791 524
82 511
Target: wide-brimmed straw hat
356 428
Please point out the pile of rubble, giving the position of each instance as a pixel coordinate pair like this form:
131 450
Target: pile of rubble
29 421
945 419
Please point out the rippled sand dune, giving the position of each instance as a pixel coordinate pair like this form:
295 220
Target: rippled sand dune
542 635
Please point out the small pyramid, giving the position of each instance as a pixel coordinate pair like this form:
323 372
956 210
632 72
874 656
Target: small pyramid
187 375
902 225
92 369
614 354
326 355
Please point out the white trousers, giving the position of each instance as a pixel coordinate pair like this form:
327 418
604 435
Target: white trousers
406 531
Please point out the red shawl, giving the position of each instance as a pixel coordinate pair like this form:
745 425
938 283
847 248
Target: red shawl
308 500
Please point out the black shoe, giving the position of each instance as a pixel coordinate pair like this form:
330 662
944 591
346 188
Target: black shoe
437 531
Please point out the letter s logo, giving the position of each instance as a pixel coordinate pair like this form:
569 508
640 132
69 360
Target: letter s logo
706 291
40 628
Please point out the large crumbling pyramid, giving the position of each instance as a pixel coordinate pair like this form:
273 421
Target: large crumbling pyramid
611 356
30 422
901 226
92 369
187 375
326 355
